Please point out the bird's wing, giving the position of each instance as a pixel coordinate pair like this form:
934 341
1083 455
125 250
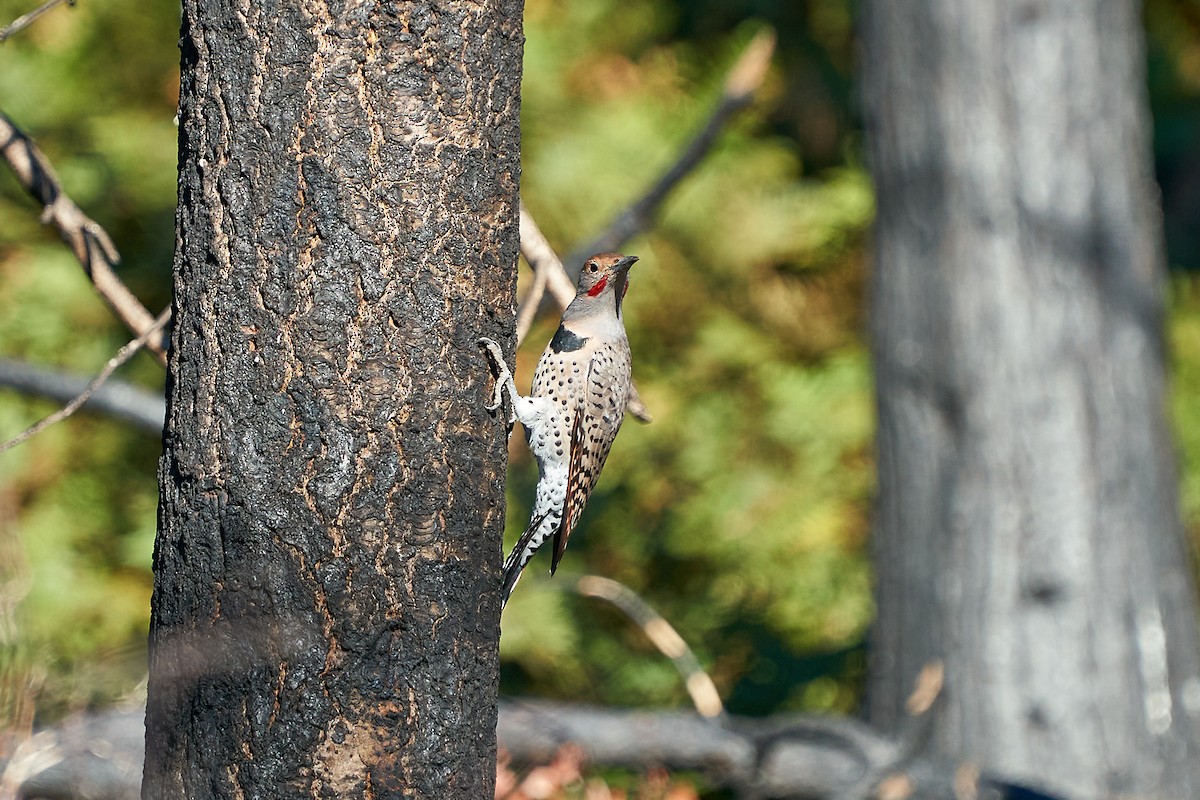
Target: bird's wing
592 432
579 485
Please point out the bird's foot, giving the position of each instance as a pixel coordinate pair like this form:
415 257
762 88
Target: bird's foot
504 375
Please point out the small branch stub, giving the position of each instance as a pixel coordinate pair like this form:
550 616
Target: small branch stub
124 354
90 243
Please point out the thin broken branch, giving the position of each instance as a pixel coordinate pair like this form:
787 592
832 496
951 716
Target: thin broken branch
743 80
548 269
527 310
662 635
25 20
88 241
124 354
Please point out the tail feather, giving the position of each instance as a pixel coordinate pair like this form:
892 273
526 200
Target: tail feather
514 565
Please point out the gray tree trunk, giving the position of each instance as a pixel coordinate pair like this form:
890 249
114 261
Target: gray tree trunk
325 615
1027 528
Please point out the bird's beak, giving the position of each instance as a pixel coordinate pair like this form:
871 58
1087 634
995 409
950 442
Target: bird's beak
625 263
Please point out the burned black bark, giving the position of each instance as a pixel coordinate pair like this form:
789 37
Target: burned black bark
325 615
1027 527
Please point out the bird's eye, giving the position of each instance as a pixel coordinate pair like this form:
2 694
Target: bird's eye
592 267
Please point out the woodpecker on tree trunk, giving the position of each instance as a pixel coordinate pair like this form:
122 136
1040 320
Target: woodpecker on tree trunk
574 408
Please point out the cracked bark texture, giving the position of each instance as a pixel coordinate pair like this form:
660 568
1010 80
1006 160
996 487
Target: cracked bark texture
325 616
1027 528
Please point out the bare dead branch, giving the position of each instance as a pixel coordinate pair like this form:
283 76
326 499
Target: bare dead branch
889 774
528 308
87 240
100 758
124 354
700 686
548 268
25 20
102 753
33 756
743 80
119 399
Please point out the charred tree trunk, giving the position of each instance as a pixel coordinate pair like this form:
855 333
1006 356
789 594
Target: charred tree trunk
325 616
1027 528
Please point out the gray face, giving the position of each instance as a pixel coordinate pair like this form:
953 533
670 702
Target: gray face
603 271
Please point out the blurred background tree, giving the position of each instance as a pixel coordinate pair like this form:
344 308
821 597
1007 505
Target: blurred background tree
741 513
1026 530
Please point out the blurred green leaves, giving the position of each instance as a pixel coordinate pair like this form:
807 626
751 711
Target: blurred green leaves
95 86
740 513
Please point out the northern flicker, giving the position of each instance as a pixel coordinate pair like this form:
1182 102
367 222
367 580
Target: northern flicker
574 408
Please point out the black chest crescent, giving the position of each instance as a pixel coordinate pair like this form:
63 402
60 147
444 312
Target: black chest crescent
565 341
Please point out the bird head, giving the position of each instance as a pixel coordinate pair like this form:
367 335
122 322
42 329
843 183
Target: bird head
605 275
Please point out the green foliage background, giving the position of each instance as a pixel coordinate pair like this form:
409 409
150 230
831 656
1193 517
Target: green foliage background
741 513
